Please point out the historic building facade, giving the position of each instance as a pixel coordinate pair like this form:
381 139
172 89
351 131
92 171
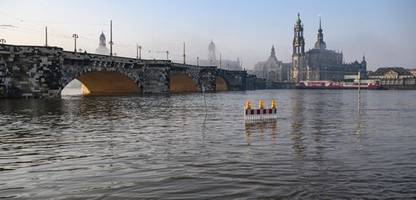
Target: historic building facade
319 63
272 69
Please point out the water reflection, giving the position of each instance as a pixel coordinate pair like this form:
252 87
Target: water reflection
359 118
260 128
160 147
359 109
297 123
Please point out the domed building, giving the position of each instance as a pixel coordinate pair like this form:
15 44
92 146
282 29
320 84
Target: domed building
102 46
212 58
233 65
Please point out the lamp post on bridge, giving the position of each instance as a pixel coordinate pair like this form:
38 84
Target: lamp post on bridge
220 60
166 52
138 51
46 36
75 36
111 38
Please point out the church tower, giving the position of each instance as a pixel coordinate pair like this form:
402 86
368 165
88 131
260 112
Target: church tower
320 44
298 72
363 68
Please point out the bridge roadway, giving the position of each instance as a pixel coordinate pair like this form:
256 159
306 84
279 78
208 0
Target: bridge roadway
41 72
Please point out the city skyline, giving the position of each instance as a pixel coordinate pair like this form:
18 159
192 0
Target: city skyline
381 30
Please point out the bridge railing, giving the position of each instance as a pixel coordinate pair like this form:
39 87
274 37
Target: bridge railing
92 56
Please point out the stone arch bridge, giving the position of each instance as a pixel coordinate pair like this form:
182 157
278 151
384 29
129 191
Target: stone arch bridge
39 72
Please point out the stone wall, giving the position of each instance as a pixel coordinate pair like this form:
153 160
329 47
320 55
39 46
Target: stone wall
28 71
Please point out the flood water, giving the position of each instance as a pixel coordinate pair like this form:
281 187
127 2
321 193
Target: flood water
324 145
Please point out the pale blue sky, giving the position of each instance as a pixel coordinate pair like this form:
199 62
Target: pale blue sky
382 29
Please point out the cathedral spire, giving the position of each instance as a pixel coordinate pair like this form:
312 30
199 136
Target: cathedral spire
320 27
320 44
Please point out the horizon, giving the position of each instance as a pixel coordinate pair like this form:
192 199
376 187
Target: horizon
248 31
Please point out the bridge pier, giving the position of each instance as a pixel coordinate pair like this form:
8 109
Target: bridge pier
156 79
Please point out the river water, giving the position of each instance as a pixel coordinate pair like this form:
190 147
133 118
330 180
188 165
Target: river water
324 145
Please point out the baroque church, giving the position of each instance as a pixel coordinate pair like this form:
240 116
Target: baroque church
102 48
320 63
272 69
233 65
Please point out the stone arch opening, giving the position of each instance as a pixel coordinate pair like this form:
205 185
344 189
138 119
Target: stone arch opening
102 83
180 83
220 84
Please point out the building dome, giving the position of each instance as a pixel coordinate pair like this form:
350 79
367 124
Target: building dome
102 47
102 40
320 44
212 58
211 46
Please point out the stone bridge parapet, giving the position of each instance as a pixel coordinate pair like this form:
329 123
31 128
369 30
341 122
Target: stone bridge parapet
39 72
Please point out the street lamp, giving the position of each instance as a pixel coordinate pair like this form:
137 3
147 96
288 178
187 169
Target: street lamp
138 52
75 36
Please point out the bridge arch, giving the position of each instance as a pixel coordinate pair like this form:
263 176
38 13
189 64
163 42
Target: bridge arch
221 84
106 83
182 82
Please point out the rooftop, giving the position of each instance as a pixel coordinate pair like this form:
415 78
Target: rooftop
383 70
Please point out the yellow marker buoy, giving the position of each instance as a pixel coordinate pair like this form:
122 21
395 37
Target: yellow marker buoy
261 104
262 113
247 105
274 104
